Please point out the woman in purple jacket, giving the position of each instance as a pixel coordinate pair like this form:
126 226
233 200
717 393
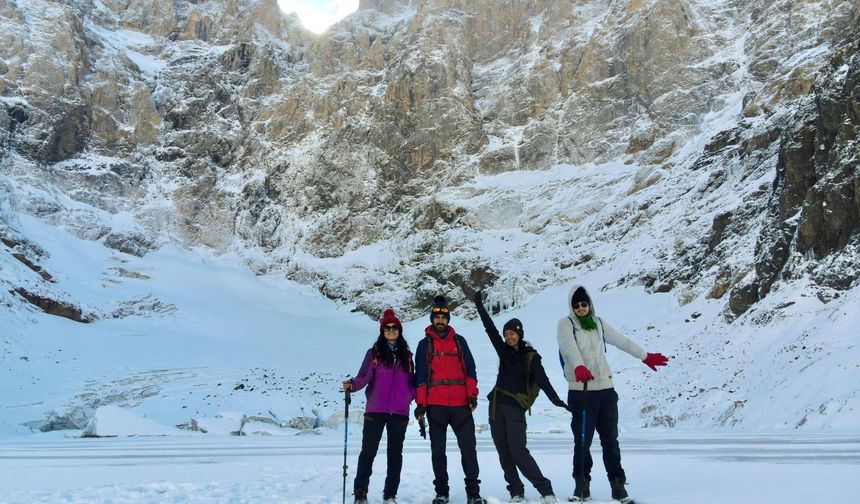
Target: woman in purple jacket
389 375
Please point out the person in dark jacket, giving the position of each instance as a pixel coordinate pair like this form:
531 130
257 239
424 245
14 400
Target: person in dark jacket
389 375
520 373
447 392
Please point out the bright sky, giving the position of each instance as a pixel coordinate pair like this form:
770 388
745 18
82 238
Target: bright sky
317 15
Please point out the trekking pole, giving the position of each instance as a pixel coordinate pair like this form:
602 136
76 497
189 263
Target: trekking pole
584 448
346 401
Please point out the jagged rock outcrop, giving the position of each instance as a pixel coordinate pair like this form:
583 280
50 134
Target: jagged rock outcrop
815 206
717 130
804 218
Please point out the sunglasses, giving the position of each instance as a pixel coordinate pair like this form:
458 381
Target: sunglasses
391 328
580 304
440 310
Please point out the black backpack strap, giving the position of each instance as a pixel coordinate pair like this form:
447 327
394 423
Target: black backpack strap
572 327
529 357
429 359
602 333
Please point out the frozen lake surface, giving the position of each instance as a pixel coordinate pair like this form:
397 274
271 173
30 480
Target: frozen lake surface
662 468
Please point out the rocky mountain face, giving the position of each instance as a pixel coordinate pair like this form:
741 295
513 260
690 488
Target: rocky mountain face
426 146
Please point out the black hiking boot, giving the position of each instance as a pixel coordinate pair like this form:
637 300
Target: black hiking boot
618 491
582 491
476 499
440 499
360 496
388 498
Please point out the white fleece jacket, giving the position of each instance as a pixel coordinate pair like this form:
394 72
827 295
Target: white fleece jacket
587 349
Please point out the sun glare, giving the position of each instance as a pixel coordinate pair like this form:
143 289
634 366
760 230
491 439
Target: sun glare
318 15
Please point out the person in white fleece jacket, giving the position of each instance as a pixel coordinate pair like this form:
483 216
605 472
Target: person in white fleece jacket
582 341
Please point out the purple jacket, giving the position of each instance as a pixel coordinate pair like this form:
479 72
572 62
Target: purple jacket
389 390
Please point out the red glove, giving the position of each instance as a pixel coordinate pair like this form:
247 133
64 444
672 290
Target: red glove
652 360
582 374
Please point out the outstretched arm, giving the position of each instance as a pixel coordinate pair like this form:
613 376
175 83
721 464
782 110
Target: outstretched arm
615 338
538 375
618 340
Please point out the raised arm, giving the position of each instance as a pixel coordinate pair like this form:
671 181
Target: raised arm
495 338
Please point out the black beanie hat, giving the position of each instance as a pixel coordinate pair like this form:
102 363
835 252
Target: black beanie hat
580 295
514 325
440 305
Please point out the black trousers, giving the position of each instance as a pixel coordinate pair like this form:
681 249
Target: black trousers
463 424
508 428
374 423
601 414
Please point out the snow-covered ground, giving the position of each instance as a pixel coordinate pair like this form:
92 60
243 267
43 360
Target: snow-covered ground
762 412
663 468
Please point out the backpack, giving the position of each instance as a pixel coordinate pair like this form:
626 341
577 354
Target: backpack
526 399
573 327
431 353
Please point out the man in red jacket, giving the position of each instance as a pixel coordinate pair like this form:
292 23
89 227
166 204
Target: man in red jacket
447 392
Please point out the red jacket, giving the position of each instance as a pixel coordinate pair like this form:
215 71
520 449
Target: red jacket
447 372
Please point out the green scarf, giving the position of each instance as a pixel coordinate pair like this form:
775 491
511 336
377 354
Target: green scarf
587 322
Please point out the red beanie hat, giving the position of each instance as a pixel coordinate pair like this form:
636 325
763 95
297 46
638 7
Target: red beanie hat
389 318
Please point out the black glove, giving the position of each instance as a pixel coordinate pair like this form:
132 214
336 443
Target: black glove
561 404
420 411
473 402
